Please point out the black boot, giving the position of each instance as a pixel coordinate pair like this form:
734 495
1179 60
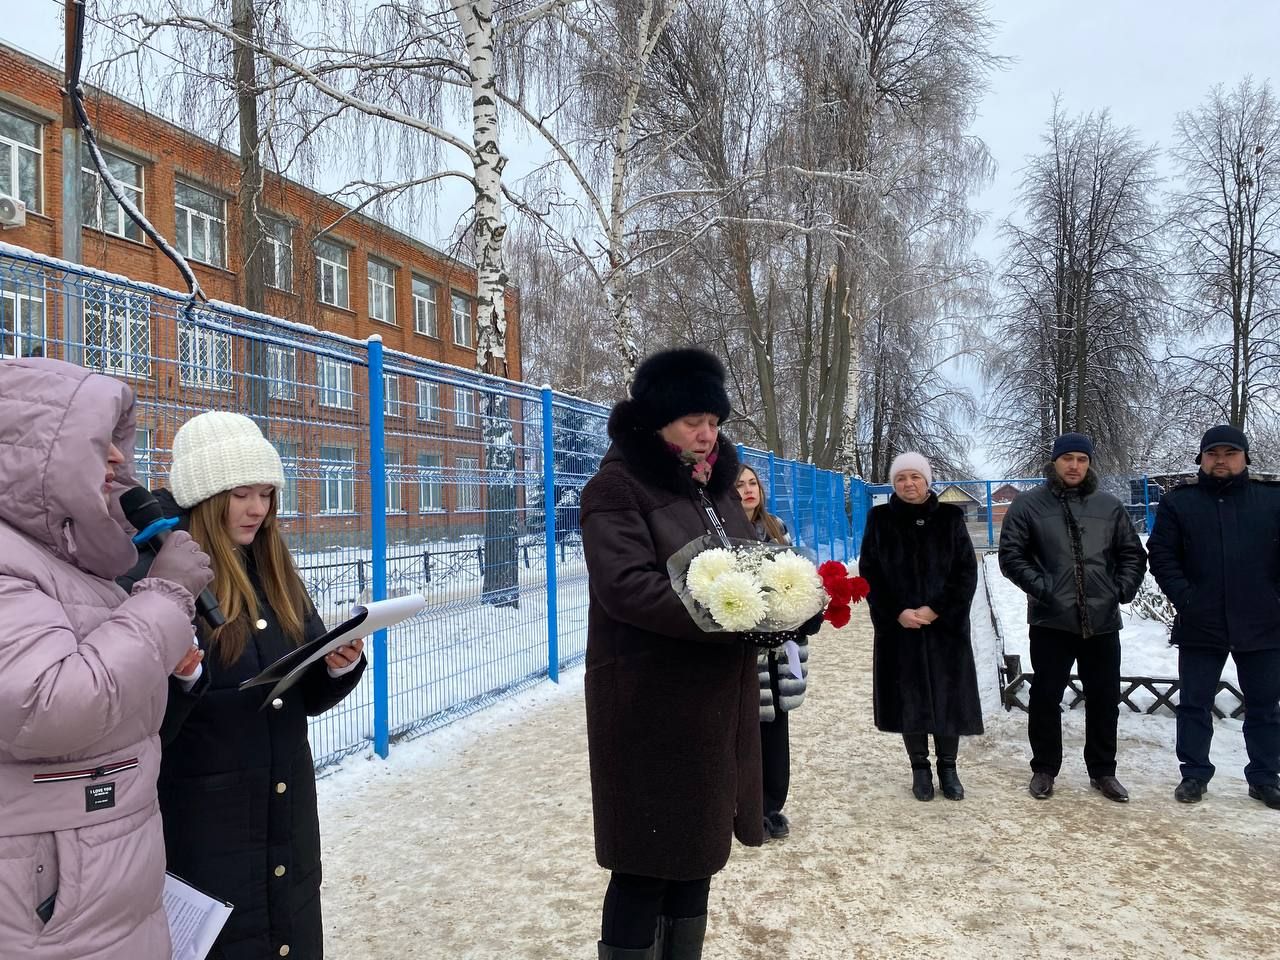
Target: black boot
950 783
921 773
680 938
623 953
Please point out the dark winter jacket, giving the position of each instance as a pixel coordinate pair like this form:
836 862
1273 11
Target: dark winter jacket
779 688
1037 553
238 791
916 555
672 715
1215 551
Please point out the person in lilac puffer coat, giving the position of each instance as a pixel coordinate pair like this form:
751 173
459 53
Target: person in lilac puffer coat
83 674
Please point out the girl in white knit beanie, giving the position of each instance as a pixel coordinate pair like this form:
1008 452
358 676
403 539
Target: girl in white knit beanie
237 785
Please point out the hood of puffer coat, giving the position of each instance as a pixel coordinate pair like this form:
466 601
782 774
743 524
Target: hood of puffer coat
58 421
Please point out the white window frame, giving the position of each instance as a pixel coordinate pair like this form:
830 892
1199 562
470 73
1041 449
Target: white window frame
338 478
468 500
337 273
282 372
429 409
121 224
35 203
143 455
16 327
426 316
392 406
334 383
211 366
382 292
278 254
462 319
464 407
430 483
121 317
288 504
395 481
205 222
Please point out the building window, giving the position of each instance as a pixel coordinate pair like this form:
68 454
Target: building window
461 320
391 405
201 228
143 451
117 331
204 357
100 210
333 377
382 292
464 407
22 332
424 308
331 274
338 487
288 451
282 373
277 268
395 482
428 401
20 159
467 471
430 487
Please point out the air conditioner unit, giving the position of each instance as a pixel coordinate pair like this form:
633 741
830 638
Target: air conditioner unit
13 212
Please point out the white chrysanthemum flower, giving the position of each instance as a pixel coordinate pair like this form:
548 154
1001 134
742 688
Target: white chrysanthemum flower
794 588
705 568
736 601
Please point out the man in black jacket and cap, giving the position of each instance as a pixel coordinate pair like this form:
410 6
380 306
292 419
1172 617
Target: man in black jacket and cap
1215 552
1072 549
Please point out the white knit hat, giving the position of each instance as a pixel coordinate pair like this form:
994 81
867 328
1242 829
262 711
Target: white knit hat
219 451
903 461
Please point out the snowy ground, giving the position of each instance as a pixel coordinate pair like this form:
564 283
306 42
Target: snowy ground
475 842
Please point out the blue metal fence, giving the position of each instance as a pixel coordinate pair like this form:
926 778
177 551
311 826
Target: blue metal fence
403 475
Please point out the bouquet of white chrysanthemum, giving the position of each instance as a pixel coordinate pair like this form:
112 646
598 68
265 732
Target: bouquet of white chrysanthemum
746 586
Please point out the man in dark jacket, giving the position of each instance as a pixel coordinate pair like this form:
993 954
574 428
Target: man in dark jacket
1073 551
672 712
1215 552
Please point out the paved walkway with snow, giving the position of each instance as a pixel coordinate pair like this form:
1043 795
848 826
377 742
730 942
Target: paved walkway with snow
475 842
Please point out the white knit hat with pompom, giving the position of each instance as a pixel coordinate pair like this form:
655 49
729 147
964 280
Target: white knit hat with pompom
911 461
219 451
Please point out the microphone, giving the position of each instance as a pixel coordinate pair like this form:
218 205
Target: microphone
147 516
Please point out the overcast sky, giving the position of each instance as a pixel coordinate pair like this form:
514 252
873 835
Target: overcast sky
1145 60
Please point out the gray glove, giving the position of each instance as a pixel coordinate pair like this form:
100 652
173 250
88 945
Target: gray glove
181 561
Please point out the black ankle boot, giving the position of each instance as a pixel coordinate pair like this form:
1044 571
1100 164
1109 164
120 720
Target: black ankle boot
922 782
952 789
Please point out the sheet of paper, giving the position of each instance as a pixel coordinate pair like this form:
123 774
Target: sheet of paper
195 918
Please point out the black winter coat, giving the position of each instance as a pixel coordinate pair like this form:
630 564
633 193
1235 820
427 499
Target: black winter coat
238 790
916 555
1036 554
672 712
1215 551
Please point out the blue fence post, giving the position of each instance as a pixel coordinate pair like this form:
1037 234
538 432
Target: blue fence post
773 484
796 523
1146 500
378 536
549 531
991 523
833 503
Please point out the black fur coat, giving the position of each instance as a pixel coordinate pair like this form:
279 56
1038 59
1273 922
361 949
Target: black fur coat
912 556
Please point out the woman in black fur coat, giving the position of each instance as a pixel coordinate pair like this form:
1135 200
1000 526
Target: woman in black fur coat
920 564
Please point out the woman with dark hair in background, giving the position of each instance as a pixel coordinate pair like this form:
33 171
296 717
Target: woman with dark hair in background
780 691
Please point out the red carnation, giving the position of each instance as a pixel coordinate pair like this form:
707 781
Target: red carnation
837 614
832 570
840 591
861 589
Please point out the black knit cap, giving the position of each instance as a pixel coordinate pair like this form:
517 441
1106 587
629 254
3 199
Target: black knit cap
1224 435
675 383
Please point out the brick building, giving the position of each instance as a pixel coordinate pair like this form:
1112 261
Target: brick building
358 279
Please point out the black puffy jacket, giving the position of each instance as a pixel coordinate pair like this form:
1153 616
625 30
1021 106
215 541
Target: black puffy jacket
1215 552
1035 553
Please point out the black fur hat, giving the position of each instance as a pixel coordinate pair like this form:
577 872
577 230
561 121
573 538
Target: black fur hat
675 383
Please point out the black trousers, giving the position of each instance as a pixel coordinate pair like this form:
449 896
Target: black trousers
1199 670
945 749
632 905
1098 665
775 754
